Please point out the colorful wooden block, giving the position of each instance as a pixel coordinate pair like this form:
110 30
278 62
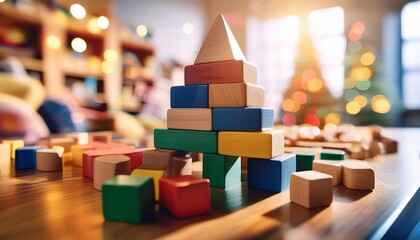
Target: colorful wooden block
311 189
156 174
196 156
14 144
194 96
186 140
358 175
105 167
221 72
128 198
333 168
190 118
77 154
243 119
5 152
219 44
185 196
104 137
49 160
235 95
181 166
304 160
271 174
26 158
265 145
161 159
66 143
332 154
222 171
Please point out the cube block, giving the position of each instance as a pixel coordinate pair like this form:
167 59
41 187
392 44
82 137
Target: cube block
304 161
26 158
222 171
333 168
243 119
194 96
332 155
14 144
153 173
107 166
186 140
190 118
235 95
49 160
358 175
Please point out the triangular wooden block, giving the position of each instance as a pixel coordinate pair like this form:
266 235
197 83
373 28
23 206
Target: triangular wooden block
219 44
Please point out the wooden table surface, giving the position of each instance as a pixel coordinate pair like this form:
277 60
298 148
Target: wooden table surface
64 205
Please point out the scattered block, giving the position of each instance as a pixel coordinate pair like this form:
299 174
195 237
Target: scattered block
222 171
375 148
235 95
243 119
264 145
77 154
221 72
105 167
332 154
156 174
128 198
26 158
390 145
185 196
181 166
311 189
14 144
358 153
194 96
190 118
304 161
271 174
333 168
186 140
5 152
104 137
49 160
358 175
161 159
66 143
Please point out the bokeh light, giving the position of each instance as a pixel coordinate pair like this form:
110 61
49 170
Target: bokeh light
349 83
103 22
299 97
290 105
307 75
358 27
381 105
188 28
78 45
53 42
349 95
142 30
363 86
355 46
107 67
330 127
92 25
288 119
314 85
111 55
353 107
333 118
360 73
367 59
312 119
361 100
78 11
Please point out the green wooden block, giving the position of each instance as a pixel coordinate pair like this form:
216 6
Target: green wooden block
332 155
128 198
304 161
223 171
186 140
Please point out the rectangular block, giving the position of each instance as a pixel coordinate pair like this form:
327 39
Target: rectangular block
358 175
186 140
221 72
13 145
161 159
222 171
304 161
235 95
77 153
266 144
243 119
190 118
5 152
332 154
333 168
26 158
194 96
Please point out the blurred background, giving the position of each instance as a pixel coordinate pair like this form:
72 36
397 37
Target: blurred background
99 65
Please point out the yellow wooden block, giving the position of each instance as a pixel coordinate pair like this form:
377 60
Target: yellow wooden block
66 143
77 154
155 174
13 145
5 152
235 95
330 167
267 144
190 118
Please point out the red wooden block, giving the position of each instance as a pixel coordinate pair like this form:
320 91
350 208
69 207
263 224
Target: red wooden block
109 145
185 196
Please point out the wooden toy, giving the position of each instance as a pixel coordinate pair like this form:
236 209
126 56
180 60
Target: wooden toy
219 44
80 138
104 137
333 168
243 119
358 152
156 174
196 156
77 154
109 145
14 144
265 145
311 189
358 175
66 143
26 157
375 148
161 159
390 145
235 95
304 160
105 167
181 166
128 198
332 155
186 140
59 149
271 174
49 160
315 150
221 72
222 171
194 96
185 196
190 118
5 152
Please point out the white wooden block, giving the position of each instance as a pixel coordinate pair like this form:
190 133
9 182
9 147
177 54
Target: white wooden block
330 167
108 166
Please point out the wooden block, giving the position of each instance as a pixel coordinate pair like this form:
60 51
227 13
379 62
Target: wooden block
266 144
14 144
243 119
26 157
49 160
186 140
81 138
375 148
59 149
358 175
359 153
153 173
331 145
333 168
190 118
304 161
185 196
196 156
390 145
128 198
315 150
109 145
5 152
104 137
219 44
66 143
332 155
77 154
161 159
244 162
221 72
235 95
222 171
311 189
194 96
181 166
108 166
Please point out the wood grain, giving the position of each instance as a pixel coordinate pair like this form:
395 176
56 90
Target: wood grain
190 118
236 95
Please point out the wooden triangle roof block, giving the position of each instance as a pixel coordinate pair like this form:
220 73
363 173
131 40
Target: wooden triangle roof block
219 44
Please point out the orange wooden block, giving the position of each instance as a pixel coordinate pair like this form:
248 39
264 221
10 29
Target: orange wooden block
181 166
190 118
358 175
235 95
49 160
330 167
105 167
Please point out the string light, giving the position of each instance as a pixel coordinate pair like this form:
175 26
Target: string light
367 58
103 22
78 11
92 25
361 100
299 97
288 119
53 42
111 55
142 30
333 118
314 85
381 105
352 107
107 67
360 73
78 45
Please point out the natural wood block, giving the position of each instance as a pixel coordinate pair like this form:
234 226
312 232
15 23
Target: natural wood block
266 144
81 138
221 72
153 173
332 155
235 95
390 145
196 156
358 175
128 198
375 148
161 159
66 143
243 119
219 44
104 137
190 118
26 157
358 153
49 160
105 167
304 161
222 171
77 154
311 189
333 168
13 145
194 96
181 166
59 149
5 152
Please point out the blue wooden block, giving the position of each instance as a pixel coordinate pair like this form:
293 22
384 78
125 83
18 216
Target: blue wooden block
193 96
242 119
271 174
26 157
